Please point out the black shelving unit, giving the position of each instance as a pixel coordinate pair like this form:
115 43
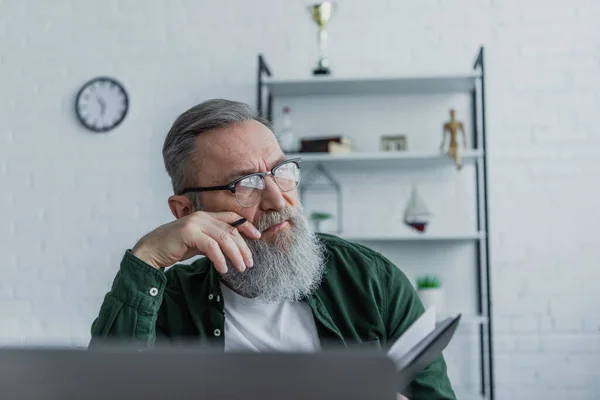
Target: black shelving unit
473 83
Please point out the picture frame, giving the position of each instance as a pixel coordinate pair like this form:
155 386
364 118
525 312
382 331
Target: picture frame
393 143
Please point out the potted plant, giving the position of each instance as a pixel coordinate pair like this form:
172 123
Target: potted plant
431 293
318 217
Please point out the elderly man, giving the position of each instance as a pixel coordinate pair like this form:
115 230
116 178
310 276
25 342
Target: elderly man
266 283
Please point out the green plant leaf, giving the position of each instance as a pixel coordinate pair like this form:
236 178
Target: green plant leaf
428 282
320 216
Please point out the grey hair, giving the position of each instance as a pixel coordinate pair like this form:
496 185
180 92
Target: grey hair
179 145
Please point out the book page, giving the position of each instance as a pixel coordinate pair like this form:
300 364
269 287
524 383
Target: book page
418 331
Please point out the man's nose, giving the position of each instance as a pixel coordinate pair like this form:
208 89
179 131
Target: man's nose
272 198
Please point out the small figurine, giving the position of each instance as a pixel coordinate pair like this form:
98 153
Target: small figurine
452 127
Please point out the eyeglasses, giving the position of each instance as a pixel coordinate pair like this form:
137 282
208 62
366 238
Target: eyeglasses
248 190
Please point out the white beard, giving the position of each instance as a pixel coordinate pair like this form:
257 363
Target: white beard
287 268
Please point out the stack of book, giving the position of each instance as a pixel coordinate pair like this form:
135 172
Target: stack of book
335 144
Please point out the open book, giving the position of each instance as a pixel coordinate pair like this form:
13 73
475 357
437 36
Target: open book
421 344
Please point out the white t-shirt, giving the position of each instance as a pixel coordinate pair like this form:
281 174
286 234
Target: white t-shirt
251 325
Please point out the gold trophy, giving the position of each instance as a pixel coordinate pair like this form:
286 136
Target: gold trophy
321 14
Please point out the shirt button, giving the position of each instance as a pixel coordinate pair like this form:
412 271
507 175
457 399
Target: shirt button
210 296
153 292
217 332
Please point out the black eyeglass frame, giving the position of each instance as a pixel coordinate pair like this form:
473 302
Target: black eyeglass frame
231 185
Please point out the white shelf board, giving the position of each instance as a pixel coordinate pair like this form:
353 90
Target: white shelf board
328 85
386 158
415 237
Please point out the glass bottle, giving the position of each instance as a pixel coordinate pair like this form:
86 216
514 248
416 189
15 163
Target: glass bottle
286 138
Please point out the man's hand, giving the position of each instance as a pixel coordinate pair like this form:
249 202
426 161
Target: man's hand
400 397
200 233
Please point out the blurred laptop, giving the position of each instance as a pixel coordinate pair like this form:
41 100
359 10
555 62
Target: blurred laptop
188 373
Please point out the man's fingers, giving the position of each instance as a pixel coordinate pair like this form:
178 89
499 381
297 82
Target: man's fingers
231 250
210 247
215 254
219 239
237 221
240 243
225 216
248 230
224 235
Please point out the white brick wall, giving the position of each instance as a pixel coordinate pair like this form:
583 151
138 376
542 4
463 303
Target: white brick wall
71 202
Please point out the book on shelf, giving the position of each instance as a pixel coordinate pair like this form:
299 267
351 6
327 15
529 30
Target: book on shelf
334 144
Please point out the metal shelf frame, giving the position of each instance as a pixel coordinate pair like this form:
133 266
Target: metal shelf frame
405 85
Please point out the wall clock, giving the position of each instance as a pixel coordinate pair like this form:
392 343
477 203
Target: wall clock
101 104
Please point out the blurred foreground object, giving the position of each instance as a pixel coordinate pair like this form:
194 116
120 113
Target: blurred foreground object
187 372
321 14
452 127
123 370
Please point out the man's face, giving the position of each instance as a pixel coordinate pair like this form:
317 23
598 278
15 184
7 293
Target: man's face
242 149
288 258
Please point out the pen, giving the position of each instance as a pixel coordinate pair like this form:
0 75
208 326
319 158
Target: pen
238 222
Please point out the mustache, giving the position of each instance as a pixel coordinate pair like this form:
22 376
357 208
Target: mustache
274 217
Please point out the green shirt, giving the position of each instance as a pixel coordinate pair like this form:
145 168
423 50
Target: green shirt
363 300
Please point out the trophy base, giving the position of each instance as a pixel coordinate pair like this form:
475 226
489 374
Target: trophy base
321 71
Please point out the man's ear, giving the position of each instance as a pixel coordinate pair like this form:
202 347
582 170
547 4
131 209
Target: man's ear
180 206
